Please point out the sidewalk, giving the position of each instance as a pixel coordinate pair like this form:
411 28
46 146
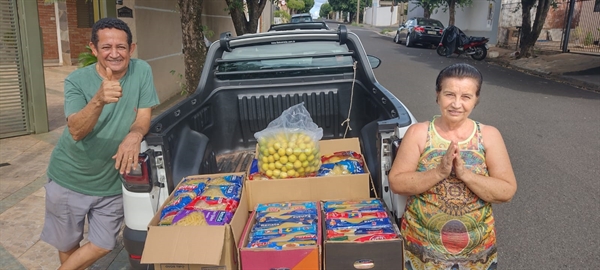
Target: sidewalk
580 70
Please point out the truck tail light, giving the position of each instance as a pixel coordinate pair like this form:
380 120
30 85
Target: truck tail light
139 179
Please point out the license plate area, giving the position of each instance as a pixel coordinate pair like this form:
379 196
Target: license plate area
431 32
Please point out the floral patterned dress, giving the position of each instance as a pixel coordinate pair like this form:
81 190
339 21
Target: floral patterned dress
448 226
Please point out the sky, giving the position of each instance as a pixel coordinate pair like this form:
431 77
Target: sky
316 8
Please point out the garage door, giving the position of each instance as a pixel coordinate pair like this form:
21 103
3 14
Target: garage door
13 99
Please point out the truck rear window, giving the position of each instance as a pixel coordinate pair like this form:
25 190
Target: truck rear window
273 60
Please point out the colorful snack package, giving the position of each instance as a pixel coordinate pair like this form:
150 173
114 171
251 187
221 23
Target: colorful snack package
214 203
278 231
195 185
283 226
361 231
227 180
292 213
167 218
362 237
263 221
217 217
343 167
284 245
356 214
276 207
333 204
350 223
189 217
290 237
343 155
175 205
232 192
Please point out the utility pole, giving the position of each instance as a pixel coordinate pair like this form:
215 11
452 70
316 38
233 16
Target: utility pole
357 11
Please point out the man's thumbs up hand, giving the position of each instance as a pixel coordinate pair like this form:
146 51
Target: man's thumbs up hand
110 91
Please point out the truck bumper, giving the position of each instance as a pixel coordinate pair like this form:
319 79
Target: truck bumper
133 241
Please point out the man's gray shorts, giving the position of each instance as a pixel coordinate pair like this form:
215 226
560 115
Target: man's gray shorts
65 217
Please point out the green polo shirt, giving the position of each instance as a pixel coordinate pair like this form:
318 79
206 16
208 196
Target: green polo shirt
86 166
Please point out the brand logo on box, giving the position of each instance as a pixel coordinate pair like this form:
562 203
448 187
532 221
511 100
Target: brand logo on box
364 264
174 266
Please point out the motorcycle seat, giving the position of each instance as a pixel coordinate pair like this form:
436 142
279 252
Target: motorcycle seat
471 39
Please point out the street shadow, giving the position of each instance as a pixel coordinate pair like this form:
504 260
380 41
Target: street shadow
519 81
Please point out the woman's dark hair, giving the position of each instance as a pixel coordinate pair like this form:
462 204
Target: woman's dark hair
112 23
459 71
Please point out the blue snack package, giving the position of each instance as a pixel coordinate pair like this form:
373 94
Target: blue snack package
195 186
276 207
256 232
289 213
227 180
254 170
263 221
290 237
284 245
233 192
178 203
343 167
358 223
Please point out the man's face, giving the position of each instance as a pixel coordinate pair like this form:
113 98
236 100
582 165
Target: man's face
113 51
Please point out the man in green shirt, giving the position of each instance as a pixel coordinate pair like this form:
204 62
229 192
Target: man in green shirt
108 108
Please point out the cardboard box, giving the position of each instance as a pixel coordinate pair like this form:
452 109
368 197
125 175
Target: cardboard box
375 255
298 258
196 247
338 187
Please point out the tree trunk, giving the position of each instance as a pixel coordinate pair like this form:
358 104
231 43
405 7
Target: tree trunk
427 12
529 34
452 8
236 10
194 49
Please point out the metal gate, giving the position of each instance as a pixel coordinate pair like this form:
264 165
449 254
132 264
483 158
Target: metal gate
13 97
582 29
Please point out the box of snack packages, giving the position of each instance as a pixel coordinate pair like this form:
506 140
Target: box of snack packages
199 225
284 235
360 234
342 174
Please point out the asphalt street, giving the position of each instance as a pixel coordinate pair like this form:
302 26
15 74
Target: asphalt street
552 132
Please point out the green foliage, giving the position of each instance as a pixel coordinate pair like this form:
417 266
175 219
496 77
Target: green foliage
180 82
348 5
207 32
427 5
308 4
86 58
295 4
325 10
589 39
286 17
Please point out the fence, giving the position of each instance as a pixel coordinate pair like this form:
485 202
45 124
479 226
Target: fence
568 27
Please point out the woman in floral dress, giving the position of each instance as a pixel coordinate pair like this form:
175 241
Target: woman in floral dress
453 169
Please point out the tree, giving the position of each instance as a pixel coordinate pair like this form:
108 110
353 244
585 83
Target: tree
295 5
451 6
308 5
428 6
325 10
348 5
241 23
529 34
194 49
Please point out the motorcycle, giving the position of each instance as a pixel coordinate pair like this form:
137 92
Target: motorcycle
455 41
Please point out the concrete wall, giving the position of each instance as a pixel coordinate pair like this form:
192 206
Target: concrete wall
216 19
381 16
156 29
479 19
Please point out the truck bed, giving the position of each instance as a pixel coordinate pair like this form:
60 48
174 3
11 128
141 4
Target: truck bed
237 161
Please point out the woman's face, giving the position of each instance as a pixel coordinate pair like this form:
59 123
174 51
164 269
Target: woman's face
457 98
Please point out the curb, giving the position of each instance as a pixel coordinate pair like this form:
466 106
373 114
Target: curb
546 75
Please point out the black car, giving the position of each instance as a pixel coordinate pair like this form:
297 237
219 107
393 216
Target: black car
419 30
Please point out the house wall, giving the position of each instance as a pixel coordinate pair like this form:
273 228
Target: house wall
78 37
47 18
156 29
479 19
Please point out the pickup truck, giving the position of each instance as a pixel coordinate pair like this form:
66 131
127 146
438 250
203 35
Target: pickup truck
247 81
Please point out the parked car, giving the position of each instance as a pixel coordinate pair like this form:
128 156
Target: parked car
419 31
299 26
299 18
